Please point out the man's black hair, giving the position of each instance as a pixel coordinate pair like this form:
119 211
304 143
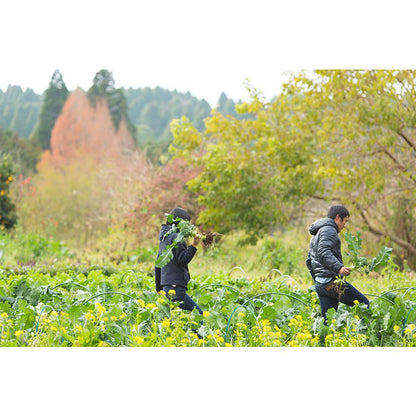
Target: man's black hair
179 213
340 210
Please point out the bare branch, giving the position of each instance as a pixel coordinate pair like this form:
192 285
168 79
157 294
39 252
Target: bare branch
402 243
408 140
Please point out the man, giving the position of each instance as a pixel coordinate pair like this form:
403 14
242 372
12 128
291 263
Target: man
325 261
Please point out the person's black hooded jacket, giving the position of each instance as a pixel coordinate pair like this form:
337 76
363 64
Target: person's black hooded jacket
324 254
176 272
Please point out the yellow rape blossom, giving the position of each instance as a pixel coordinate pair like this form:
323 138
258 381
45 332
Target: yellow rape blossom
18 333
139 340
165 323
101 308
89 316
205 314
151 305
4 315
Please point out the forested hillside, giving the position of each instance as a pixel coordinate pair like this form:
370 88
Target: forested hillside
149 109
19 110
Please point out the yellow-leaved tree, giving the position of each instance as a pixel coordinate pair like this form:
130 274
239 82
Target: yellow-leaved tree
338 135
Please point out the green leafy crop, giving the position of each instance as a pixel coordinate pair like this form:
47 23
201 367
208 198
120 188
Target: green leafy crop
361 263
184 229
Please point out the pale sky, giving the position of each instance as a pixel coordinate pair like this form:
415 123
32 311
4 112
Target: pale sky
204 47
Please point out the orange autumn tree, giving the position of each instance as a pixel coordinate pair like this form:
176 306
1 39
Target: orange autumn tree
90 178
95 189
86 131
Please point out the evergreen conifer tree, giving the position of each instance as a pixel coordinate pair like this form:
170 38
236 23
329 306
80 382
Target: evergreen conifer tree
104 87
53 101
8 217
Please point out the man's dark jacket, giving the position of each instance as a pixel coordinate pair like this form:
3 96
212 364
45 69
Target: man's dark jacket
324 256
176 272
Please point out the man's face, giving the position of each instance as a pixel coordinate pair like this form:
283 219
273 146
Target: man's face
341 223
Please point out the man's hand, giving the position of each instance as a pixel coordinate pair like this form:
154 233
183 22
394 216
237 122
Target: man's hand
345 271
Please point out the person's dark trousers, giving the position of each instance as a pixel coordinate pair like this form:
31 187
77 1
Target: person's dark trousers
185 301
329 297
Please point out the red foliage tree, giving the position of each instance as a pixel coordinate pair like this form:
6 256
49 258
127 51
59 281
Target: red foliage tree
166 190
83 130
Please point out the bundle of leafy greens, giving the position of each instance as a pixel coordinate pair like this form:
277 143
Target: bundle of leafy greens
183 230
361 263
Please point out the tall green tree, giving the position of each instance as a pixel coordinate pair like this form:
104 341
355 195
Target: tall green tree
104 87
255 172
25 153
8 216
53 101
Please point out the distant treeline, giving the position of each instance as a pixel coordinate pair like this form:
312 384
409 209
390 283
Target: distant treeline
150 110
19 110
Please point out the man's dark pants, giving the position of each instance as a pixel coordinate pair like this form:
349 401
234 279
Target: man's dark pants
330 298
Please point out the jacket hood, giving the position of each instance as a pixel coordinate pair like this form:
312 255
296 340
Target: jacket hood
317 225
164 229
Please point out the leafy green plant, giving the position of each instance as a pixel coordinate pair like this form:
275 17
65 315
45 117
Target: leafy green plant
94 307
360 262
183 229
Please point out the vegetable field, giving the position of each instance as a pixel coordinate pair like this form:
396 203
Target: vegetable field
117 306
